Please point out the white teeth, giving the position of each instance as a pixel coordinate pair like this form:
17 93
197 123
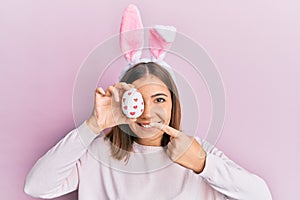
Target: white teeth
146 126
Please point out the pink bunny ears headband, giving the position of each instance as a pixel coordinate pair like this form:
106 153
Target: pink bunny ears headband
132 40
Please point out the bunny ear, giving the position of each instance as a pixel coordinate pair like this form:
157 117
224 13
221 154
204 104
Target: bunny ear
160 40
131 34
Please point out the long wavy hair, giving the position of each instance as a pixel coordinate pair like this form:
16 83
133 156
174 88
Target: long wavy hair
121 137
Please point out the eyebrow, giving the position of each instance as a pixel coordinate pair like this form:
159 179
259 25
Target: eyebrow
159 94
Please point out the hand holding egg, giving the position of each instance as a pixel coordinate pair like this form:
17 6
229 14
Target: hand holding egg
111 110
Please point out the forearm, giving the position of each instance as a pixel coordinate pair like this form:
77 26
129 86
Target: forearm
56 172
94 127
232 180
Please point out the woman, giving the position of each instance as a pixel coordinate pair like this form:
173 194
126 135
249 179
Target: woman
143 158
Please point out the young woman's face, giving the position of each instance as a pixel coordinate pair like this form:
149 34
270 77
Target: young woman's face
158 108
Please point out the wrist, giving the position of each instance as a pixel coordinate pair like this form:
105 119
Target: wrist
93 125
200 164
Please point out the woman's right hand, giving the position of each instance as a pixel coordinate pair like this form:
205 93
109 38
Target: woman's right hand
107 108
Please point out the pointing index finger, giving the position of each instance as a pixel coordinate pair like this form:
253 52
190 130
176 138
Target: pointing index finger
167 129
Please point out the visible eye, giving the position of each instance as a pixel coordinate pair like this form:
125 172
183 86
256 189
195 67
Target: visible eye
160 100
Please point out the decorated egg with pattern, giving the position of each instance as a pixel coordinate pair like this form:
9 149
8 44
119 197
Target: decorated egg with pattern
132 103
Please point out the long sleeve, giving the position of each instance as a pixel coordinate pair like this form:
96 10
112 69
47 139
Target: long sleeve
228 178
56 173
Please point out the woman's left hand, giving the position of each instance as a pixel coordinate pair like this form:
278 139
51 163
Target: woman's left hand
184 149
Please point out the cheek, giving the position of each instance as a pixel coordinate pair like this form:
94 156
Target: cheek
169 113
163 112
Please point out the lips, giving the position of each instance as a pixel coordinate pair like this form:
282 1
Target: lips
145 125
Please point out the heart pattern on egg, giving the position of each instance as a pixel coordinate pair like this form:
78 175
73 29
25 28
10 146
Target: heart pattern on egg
132 103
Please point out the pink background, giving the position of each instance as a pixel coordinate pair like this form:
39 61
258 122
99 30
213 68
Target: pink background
255 45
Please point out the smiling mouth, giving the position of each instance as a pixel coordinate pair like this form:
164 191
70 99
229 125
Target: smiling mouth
145 125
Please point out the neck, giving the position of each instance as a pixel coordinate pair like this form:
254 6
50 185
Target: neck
149 141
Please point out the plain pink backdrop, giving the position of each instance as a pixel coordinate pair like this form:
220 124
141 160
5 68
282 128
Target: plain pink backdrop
255 45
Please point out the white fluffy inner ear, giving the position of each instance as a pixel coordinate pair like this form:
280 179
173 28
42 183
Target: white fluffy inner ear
168 33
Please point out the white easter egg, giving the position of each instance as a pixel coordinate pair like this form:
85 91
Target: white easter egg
132 103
